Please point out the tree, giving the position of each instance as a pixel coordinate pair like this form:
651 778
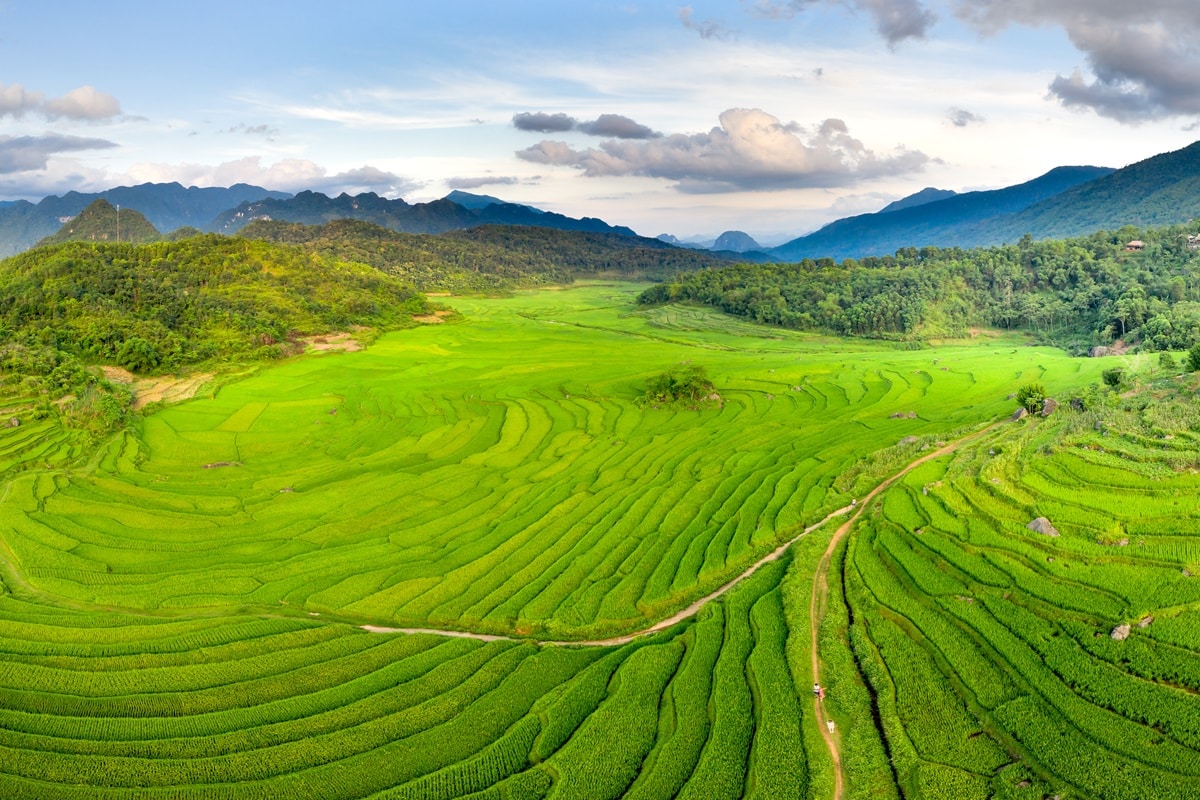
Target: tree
1031 396
1113 377
1167 361
1193 358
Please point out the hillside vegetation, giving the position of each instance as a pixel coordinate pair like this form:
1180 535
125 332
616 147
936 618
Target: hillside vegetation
487 258
102 222
166 306
1075 293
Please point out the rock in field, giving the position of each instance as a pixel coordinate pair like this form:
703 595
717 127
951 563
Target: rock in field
1120 633
1042 525
1049 406
1020 413
1146 621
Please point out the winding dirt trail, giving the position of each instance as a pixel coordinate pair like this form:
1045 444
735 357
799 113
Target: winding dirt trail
820 594
661 625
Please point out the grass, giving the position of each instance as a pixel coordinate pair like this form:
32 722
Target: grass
180 607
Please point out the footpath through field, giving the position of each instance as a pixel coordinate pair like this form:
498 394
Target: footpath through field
820 592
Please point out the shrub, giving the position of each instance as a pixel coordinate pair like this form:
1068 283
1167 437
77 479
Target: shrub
1031 396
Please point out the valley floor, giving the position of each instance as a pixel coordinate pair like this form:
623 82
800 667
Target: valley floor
172 630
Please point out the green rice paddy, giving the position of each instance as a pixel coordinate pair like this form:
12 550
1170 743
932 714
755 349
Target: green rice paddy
182 611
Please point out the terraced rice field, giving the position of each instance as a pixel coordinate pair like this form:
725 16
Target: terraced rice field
1076 652
182 612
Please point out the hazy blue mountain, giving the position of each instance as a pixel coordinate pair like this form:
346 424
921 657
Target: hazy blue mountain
737 242
956 220
166 205
476 201
439 216
926 195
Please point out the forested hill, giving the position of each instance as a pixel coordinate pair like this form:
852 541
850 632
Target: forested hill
439 216
1075 293
102 222
489 257
959 220
1163 190
169 304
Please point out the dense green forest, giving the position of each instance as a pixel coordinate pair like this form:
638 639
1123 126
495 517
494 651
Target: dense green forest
487 258
1076 293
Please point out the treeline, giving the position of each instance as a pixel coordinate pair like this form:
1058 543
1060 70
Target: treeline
1075 293
488 258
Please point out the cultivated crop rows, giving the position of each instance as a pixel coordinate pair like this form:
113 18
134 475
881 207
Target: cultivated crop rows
981 637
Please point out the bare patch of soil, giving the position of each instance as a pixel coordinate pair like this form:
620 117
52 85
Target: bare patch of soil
436 318
342 342
163 388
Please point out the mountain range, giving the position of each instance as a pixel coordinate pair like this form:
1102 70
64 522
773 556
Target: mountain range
1066 201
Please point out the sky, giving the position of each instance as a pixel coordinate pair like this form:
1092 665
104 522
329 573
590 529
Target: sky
772 117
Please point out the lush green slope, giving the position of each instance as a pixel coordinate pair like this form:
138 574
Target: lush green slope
161 306
486 258
1075 651
176 631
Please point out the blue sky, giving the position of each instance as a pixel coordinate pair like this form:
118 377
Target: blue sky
769 116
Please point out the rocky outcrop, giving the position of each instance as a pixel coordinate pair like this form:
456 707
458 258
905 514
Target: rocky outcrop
1042 525
1049 406
1019 414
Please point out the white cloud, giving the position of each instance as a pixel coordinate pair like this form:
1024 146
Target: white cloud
749 150
83 104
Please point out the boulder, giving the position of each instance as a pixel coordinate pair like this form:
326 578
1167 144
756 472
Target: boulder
907 440
1121 632
904 415
1019 414
1098 352
1049 406
1042 525
1146 621
1076 404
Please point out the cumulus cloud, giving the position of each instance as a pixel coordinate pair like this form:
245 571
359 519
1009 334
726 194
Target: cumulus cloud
610 125
85 104
486 180
289 174
708 28
750 150
1143 57
894 20
961 118
16 101
30 153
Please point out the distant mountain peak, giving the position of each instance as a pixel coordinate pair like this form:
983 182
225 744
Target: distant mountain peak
736 241
926 195
101 221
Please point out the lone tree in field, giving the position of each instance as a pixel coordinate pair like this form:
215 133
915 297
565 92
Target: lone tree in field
688 384
1031 396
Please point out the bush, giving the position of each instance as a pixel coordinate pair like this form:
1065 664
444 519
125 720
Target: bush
1193 358
689 384
1113 377
1031 396
1167 361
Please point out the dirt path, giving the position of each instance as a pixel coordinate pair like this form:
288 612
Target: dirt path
820 593
661 625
